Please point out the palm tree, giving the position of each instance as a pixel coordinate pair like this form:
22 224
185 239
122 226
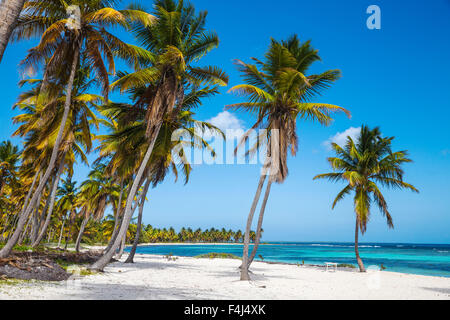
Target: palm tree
63 42
95 195
9 14
363 165
41 121
278 92
66 205
174 44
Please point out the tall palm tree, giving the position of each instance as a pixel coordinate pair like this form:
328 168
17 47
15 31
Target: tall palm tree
279 92
40 123
9 14
174 44
364 166
63 42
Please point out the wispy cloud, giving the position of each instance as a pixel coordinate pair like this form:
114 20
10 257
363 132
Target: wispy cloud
445 152
341 137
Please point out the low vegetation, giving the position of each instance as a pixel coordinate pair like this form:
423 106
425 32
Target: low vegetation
217 255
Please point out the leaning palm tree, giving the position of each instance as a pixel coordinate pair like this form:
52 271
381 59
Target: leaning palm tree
364 166
279 92
40 122
63 41
9 14
174 43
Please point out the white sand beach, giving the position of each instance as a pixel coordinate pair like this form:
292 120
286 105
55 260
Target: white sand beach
154 277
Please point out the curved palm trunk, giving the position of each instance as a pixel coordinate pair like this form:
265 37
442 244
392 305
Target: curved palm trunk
162 103
24 233
24 217
30 191
139 224
80 234
104 260
122 247
51 205
260 221
358 258
244 266
35 219
9 13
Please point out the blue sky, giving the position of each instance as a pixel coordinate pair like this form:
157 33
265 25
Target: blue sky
396 78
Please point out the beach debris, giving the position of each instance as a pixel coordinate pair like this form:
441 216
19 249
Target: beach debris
44 265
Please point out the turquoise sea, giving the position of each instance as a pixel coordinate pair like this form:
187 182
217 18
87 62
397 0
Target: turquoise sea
423 259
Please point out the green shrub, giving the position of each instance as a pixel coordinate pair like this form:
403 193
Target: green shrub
214 255
346 265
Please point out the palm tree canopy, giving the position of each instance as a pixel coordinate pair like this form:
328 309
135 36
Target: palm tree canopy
279 90
364 166
59 39
168 74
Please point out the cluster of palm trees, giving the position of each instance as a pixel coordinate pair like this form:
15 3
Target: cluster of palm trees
165 83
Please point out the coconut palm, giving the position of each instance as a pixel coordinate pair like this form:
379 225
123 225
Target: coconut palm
279 92
94 196
128 135
365 165
66 205
64 40
40 122
9 14
175 43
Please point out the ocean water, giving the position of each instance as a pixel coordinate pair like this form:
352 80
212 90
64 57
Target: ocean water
423 259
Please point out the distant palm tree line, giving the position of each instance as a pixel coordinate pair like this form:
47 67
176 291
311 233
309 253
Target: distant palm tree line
165 83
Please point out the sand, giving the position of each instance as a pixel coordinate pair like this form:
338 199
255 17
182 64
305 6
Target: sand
154 277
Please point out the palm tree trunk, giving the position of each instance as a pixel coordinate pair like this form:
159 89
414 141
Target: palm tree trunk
121 247
9 13
260 221
61 232
117 218
23 218
80 234
51 205
67 235
139 224
24 233
358 258
244 267
35 219
106 258
30 191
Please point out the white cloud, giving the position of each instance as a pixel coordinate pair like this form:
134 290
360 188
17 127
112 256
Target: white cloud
340 138
226 120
